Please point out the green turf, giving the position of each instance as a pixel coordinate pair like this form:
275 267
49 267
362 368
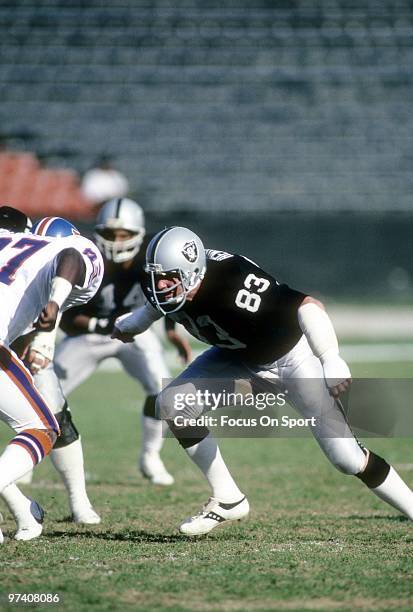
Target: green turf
316 540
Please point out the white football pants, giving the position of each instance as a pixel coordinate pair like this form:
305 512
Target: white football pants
298 372
77 357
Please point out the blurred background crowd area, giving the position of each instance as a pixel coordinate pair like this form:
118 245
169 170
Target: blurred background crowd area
281 129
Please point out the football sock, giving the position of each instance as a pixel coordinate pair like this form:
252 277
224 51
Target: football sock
395 492
68 461
18 503
384 481
152 439
14 463
207 457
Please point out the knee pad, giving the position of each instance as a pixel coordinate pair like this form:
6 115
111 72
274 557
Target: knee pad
172 401
346 454
68 431
163 409
188 436
149 407
375 472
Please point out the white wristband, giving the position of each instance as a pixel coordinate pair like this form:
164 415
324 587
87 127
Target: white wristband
91 326
335 370
61 289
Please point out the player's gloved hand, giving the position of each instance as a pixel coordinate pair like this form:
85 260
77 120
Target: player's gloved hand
123 336
36 361
336 372
48 317
118 334
130 324
100 326
181 344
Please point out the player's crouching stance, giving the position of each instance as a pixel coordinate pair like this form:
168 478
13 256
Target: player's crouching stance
121 237
39 278
67 452
261 331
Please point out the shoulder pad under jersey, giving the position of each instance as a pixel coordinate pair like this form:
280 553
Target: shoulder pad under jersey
217 255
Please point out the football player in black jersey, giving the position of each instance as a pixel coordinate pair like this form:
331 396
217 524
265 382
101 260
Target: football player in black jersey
263 332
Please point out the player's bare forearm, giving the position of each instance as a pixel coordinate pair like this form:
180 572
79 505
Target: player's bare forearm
48 317
70 271
71 267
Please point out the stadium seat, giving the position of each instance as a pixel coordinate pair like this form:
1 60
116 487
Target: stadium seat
160 83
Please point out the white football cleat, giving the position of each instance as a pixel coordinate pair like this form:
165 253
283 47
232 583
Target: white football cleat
31 525
214 513
152 467
85 516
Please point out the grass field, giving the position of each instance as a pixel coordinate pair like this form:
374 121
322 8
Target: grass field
315 540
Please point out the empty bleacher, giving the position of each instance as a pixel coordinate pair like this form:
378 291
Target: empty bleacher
237 104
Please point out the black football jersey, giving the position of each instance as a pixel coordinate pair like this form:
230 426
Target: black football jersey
120 291
241 308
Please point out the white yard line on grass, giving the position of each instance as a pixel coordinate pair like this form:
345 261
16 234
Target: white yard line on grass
363 353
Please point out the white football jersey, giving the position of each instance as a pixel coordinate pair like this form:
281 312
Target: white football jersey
27 267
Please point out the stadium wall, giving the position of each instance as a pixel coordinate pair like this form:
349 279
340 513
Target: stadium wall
356 256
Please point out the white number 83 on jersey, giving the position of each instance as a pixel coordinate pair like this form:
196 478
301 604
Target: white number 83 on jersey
250 300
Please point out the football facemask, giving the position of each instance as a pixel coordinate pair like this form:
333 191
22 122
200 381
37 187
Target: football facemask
178 256
118 251
119 214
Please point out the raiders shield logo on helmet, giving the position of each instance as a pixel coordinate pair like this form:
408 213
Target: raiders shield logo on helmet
190 251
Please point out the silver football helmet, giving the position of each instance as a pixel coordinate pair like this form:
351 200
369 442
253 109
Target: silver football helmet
175 252
119 213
